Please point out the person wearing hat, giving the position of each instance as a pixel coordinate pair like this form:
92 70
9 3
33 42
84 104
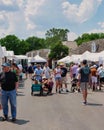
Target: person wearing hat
84 76
8 82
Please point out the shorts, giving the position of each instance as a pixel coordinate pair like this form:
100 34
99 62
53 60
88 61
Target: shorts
84 85
57 78
94 79
64 80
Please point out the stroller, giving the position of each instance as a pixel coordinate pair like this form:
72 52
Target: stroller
74 85
38 86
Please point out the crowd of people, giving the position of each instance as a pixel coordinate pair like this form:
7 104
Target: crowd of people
87 76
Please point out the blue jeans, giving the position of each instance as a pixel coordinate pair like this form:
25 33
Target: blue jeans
11 97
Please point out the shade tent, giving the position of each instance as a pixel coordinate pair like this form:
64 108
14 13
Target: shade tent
20 57
91 56
38 59
10 55
65 59
75 58
1 52
4 51
88 56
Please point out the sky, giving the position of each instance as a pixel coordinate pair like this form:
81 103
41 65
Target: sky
26 18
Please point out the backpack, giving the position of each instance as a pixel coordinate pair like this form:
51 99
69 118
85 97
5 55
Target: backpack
86 70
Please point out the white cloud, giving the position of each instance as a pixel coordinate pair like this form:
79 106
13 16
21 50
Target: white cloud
96 31
80 13
101 24
72 36
40 34
19 21
99 30
32 9
26 18
7 2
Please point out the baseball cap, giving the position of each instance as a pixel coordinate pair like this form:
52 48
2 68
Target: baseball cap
94 66
6 65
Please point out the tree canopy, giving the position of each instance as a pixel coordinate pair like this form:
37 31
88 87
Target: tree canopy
58 51
55 35
11 42
89 37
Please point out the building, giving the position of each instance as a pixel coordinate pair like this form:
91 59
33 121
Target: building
42 52
92 46
72 45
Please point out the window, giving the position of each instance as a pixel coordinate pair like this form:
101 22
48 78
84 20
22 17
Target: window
93 47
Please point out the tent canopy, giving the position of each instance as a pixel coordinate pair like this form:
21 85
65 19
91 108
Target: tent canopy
38 59
65 59
21 57
1 52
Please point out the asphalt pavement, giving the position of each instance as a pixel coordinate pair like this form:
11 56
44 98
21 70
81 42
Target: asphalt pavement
56 112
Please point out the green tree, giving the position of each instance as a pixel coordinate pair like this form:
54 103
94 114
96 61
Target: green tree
54 35
11 42
23 47
35 43
89 37
58 51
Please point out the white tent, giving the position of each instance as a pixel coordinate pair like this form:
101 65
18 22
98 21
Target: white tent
20 57
91 56
4 50
64 60
1 52
86 55
75 58
10 55
38 59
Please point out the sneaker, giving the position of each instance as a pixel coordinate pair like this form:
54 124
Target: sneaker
5 118
67 90
62 89
13 119
79 90
84 103
59 91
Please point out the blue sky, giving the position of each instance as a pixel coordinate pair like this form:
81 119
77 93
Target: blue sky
26 18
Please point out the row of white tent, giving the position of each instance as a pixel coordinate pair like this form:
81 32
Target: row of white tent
10 56
5 53
94 57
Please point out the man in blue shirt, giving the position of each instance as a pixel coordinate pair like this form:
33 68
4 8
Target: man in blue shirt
38 73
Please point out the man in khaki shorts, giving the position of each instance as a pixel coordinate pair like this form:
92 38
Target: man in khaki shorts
84 76
63 76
